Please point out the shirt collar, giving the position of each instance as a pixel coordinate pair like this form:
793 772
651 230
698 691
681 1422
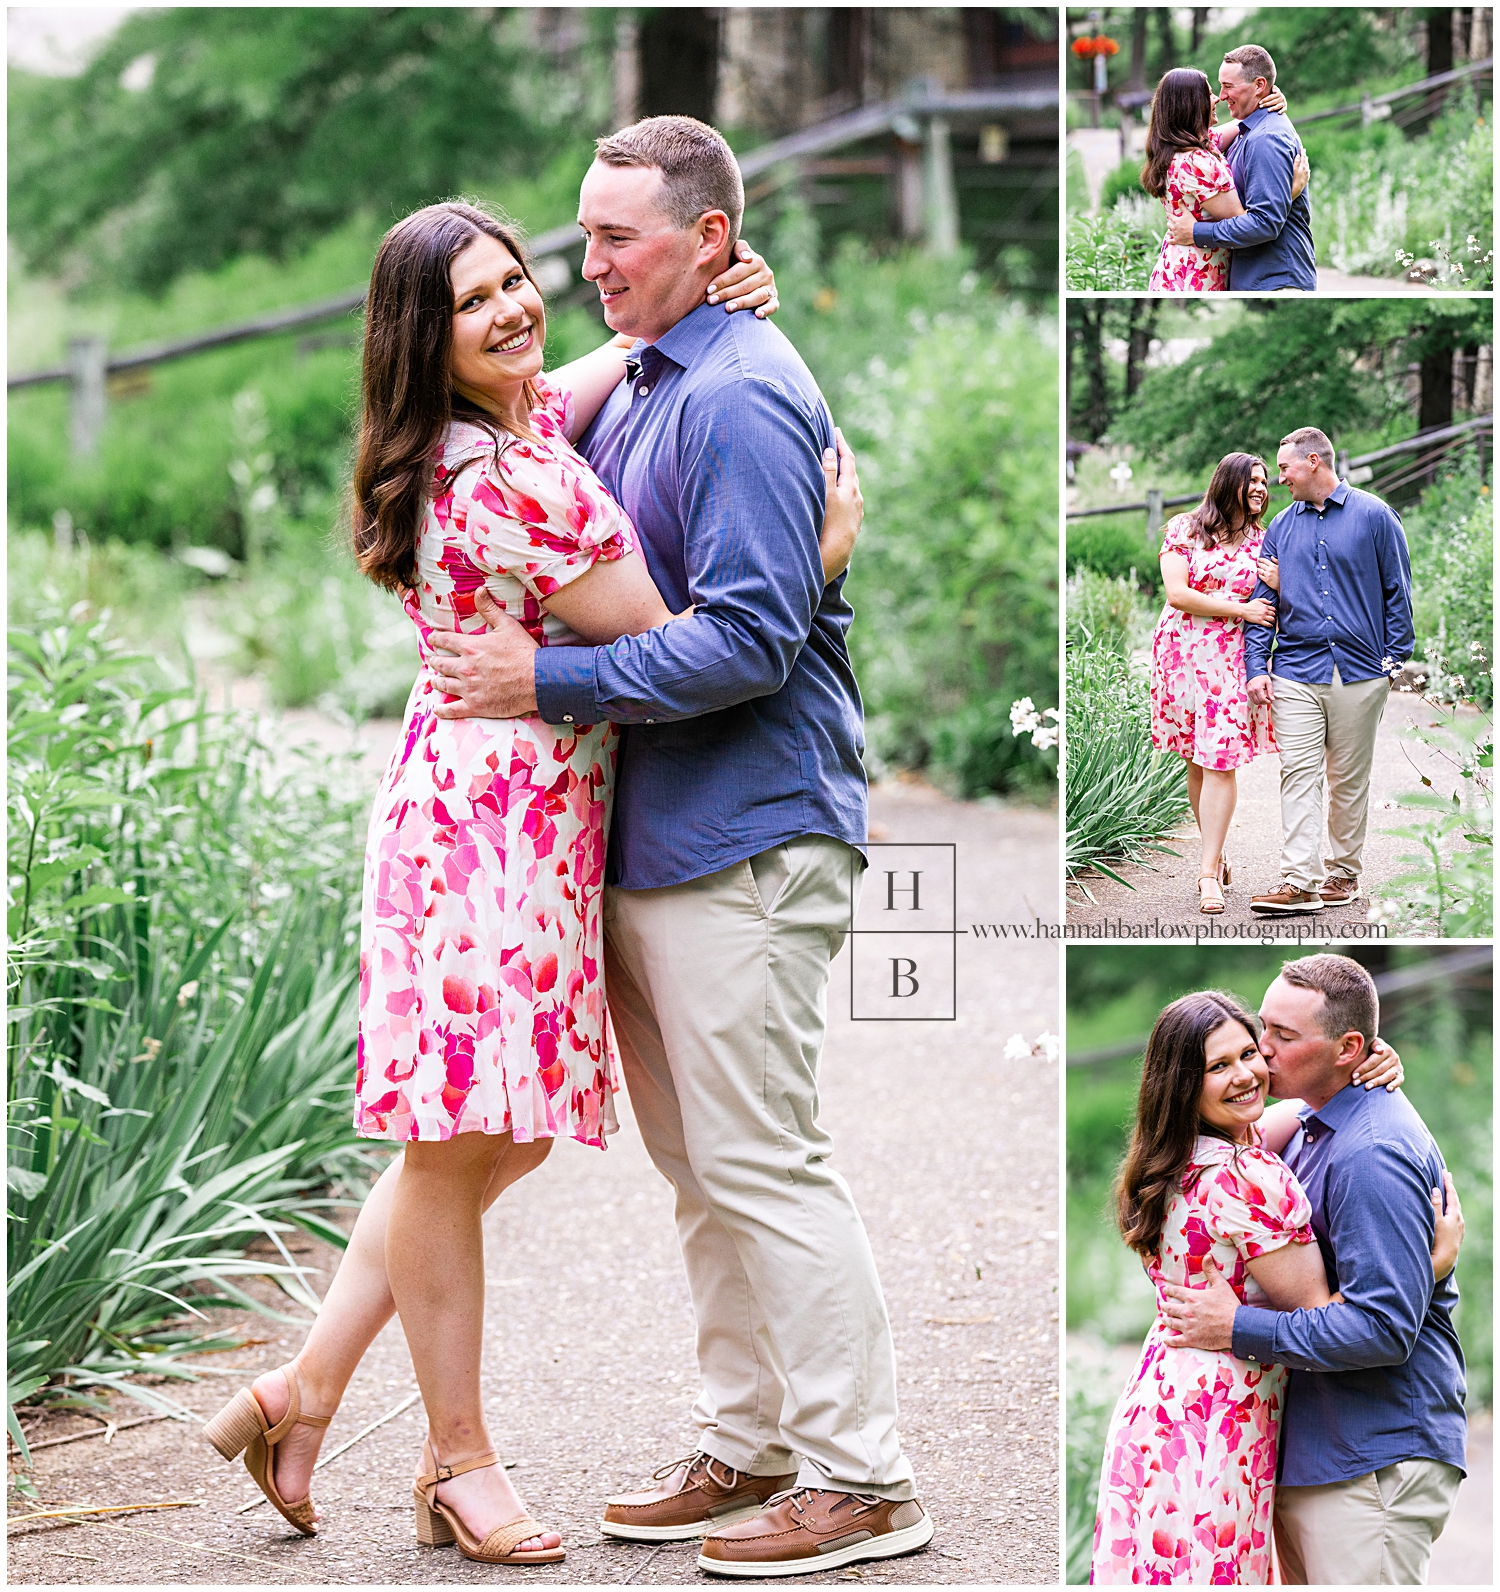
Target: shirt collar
1249 123
1337 1112
1339 495
690 337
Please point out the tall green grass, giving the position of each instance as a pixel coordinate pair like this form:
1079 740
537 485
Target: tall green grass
1122 796
181 1020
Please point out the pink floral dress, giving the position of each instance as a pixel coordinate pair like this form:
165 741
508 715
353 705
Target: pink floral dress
481 1005
1189 1472
1195 175
1199 705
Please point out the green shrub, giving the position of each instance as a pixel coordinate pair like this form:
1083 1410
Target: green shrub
1110 546
181 1023
1450 537
1107 611
1113 252
1124 181
955 578
1122 796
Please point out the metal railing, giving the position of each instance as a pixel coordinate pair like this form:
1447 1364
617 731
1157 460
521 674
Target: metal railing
1375 108
1357 470
920 120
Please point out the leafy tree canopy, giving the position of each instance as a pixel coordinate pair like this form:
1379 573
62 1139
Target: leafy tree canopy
1335 364
199 134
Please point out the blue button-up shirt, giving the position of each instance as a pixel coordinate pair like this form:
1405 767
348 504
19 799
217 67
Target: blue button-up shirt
1345 593
745 727
1379 1378
1272 242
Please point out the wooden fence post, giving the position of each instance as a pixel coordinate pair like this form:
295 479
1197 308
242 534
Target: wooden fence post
1153 515
87 358
941 195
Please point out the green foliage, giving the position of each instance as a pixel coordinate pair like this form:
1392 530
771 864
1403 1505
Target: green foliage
1112 546
1122 796
1378 193
1113 252
1124 181
260 130
1091 1401
1448 886
1450 537
1106 611
1338 364
955 578
1318 50
181 977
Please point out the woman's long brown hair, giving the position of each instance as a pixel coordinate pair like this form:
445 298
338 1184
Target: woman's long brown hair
1181 114
1224 514
1167 1123
408 401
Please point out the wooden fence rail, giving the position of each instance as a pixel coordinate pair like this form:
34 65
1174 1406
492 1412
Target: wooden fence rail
921 122
1356 470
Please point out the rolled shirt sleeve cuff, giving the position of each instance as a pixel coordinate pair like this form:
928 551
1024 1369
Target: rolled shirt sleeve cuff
566 686
1254 1336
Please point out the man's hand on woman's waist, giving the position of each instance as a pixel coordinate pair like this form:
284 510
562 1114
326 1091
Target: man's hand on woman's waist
492 673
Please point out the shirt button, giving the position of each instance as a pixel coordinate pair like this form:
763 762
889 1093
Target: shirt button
650 721
567 718
643 391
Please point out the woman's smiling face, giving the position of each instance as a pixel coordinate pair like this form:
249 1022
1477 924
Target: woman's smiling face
499 323
1258 491
1235 1080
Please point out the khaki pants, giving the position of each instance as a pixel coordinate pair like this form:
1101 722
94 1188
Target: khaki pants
717 991
1375 1530
1332 724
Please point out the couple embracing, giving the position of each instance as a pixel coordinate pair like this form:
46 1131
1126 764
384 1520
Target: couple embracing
645 628
1237 216
1303 1382
1327 585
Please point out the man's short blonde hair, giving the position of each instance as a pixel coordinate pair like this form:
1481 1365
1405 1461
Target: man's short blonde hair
1309 440
1254 62
699 171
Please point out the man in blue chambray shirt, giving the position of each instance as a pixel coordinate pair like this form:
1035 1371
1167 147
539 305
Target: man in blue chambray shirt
1271 244
1343 628
739 807
1373 1439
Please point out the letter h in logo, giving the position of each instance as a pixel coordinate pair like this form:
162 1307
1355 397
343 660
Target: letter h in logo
903 941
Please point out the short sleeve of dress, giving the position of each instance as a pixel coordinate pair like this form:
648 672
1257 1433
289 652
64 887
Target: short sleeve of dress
539 517
1177 535
1257 1204
555 415
1202 174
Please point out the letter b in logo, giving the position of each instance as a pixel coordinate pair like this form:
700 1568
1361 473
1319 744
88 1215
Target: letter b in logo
902 950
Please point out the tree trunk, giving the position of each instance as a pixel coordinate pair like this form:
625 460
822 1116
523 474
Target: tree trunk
1090 339
1200 21
1439 55
1168 37
1143 314
1470 373
1436 405
1138 20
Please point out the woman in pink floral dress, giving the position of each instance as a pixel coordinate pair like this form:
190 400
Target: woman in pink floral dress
1200 709
483 1031
1187 170
1187 1483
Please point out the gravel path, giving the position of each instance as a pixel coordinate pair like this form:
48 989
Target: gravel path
951 1152
1166 894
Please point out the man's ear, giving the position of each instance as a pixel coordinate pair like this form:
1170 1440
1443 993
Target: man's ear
1353 1048
714 236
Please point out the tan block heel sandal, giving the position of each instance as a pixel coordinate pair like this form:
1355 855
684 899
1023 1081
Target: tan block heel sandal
242 1425
438 1526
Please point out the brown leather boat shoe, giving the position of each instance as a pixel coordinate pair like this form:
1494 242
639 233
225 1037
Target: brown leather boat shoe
1338 889
811 1529
696 1495
1286 900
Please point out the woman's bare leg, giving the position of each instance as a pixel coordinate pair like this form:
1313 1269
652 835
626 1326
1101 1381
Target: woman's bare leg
1195 788
356 1307
435 1264
1216 804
